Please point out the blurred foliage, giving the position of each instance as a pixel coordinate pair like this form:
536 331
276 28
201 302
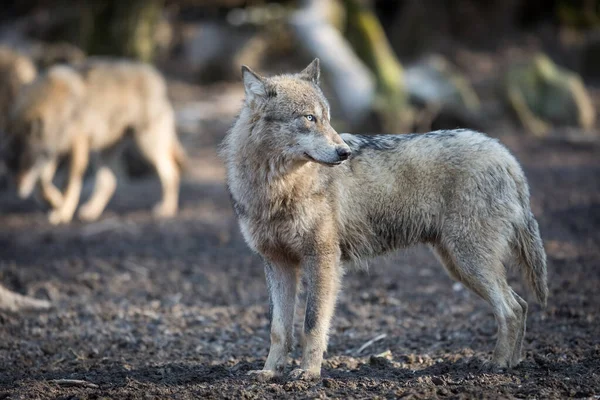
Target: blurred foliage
121 28
125 27
543 94
107 27
579 13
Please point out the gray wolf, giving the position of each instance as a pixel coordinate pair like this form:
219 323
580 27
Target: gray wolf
90 107
309 200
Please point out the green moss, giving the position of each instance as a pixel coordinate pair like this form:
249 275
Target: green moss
579 14
541 93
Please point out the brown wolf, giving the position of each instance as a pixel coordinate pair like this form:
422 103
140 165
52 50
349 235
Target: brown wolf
75 110
309 199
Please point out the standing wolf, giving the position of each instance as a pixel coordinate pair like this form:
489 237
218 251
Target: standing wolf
309 199
91 107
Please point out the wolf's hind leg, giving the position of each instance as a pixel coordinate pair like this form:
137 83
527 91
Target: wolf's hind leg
480 272
156 144
169 178
518 350
282 283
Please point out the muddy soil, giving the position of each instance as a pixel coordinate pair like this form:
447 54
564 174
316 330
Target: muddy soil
178 308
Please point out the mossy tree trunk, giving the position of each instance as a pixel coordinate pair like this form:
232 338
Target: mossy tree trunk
367 37
348 77
120 28
579 13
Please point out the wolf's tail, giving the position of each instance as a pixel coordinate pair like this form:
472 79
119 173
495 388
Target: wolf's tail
530 251
532 257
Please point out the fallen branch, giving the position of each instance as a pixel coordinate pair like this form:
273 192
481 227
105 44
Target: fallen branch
11 301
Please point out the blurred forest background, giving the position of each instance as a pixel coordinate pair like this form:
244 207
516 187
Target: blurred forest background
391 66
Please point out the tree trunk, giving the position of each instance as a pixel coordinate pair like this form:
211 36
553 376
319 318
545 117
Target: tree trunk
368 39
350 79
120 28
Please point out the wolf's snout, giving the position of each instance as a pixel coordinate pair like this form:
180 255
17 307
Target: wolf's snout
343 152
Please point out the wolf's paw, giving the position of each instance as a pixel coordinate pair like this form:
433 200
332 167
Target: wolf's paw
300 374
59 216
163 210
262 375
492 367
516 359
88 213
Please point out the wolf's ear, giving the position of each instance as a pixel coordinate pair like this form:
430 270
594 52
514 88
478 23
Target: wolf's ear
254 84
312 72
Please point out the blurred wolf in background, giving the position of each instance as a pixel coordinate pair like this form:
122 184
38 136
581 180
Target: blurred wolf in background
16 71
308 199
91 107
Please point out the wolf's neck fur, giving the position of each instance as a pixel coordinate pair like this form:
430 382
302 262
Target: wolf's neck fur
261 178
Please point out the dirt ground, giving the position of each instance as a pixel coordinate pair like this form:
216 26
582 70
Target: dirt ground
178 308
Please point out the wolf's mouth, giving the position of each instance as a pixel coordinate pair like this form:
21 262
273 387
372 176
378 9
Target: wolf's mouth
331 164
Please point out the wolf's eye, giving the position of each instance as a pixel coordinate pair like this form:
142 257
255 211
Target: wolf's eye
310 117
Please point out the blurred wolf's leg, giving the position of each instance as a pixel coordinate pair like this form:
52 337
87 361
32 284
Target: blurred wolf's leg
79 162
104 188
157 144
50 193
169 179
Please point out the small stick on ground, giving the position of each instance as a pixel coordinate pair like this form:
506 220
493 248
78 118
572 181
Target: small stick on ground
74 383
370 342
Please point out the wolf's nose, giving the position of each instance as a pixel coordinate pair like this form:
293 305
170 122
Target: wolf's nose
343 152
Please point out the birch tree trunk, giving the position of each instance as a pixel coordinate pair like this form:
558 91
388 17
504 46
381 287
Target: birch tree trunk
351 80
364 72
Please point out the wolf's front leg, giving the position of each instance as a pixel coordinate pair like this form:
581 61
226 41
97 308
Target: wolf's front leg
282 282
50 193
105 186
323 284
79 162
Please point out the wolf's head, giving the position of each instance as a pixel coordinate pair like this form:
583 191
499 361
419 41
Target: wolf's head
25 153
291 115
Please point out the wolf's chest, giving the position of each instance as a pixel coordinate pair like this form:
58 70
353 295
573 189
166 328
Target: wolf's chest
277 226
277 241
